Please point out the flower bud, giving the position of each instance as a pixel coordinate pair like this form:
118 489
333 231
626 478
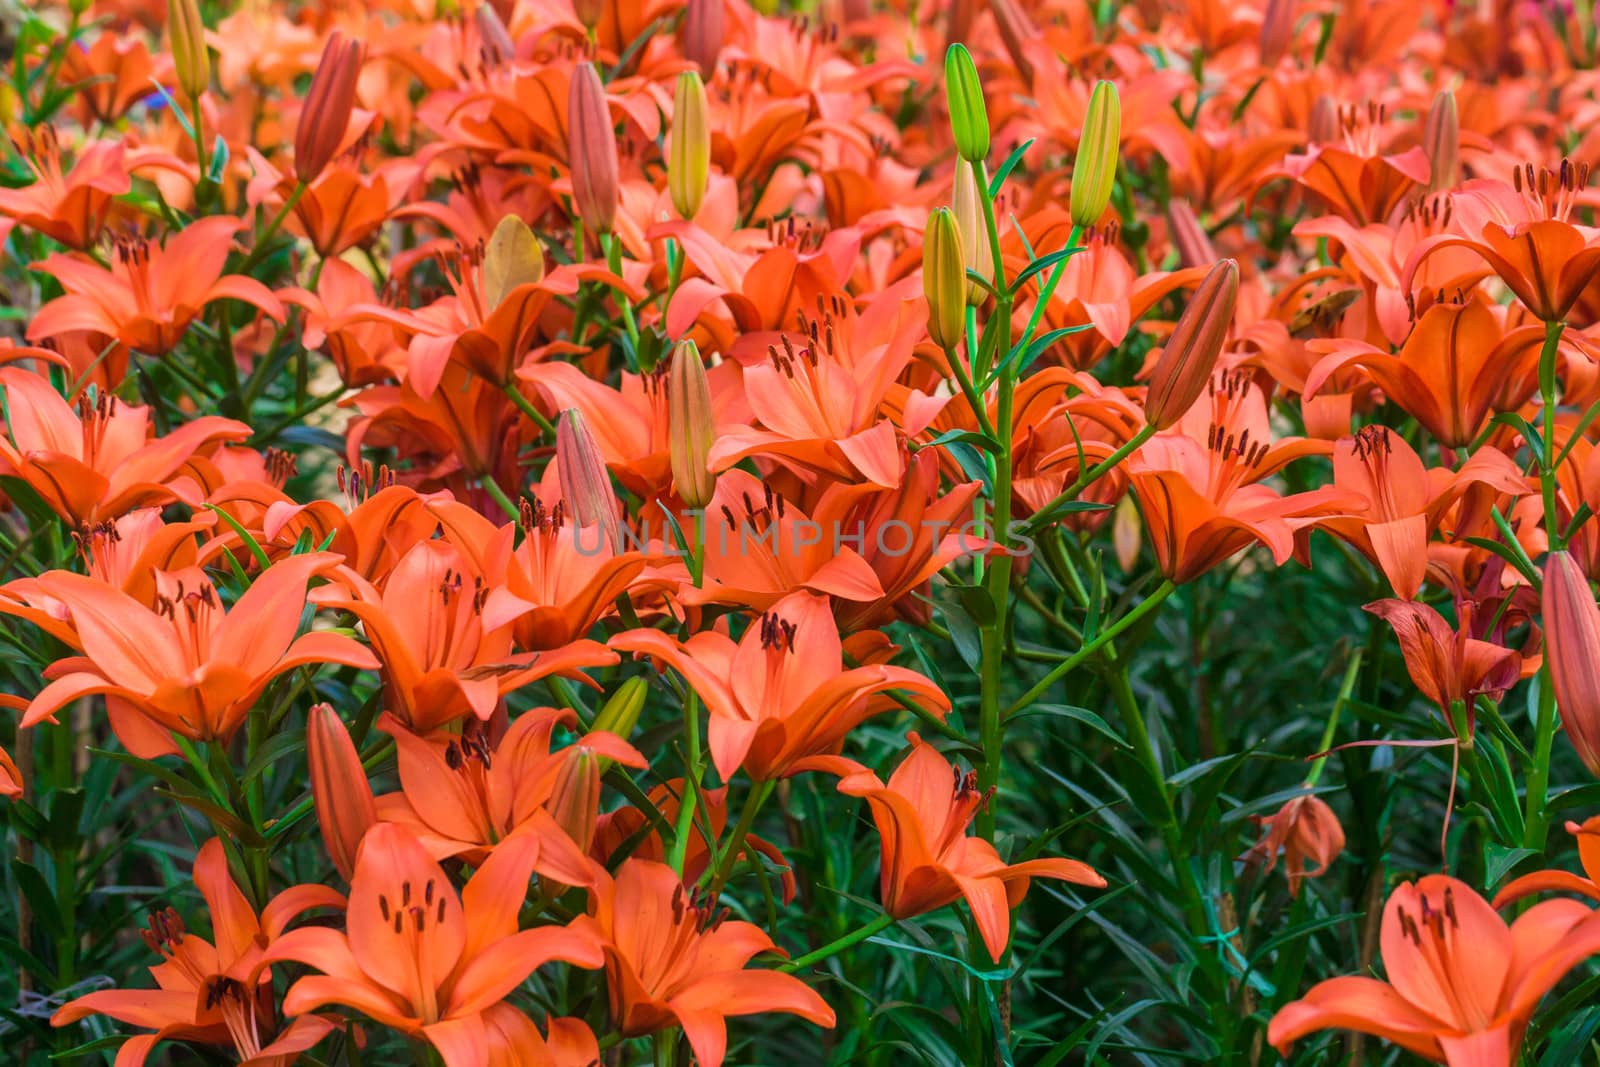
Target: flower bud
1125 533
585 485
339 787
589 12
1441 140
190 60
691 426
574 798
1188 236
1016 30
1185 366
969 120
493 38
511 258
702 35
592 150
1277 29
1323 126
326 114
1095 169
690 158
621 713
944 274
973 234
1572 650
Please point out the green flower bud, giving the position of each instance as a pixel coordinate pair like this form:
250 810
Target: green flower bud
969 120
1095 170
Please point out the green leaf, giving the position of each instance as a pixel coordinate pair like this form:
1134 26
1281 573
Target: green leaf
39 896
1076 714
1499 861
1007 167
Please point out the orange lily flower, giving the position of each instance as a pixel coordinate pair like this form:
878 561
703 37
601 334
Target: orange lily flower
67 206
1447 664
781 693
341 207
1457 368
101 461
1306 832
365 352
424 960
115 73
1588 835
1462 984
214 994
817 398
461 795
151 292
1356 180
1525 235
10 777
551 588
922 815
441 659
1200 492
1391 503
671 962
196 669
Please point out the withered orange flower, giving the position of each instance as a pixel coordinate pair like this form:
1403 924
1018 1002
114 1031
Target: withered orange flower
672 962
1306 832
1462 984
151 292
922 815
416 956
1448 665
214 994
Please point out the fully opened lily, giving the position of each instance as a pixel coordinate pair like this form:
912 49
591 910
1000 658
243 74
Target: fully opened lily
1462 984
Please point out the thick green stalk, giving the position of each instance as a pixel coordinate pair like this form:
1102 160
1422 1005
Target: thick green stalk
838 945
1537 819
730 855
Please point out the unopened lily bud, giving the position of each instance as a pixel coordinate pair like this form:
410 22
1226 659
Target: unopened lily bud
585 485
326 114
969 119
702 34
689 162
511 258
494 38
1323 126
691 427
974 234
574 799
1441 140
339 787
1572 649
190 60
1188 236
1185 366
1125 534
589 12
1306 832
1095 169
944 275
592 150
620 714
1277 28
1016 30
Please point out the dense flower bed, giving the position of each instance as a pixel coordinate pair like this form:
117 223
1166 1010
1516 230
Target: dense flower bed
490 487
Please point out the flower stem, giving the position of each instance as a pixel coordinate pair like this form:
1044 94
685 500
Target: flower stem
1346 687
1536 818
492 487
525 406
1099 641
838 945
730 855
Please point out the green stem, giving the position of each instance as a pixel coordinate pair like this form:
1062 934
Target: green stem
1547 426
1099 641
271 231
492 487
525 406
691 789
1536 817
1346 687
730 855
1090 476
838 945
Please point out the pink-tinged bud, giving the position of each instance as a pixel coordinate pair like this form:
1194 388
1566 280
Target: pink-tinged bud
592 150
1277 29
190 60
974 231
1323 126
1188 236
691 427
493 37
1572 651
1185 366
1016 30
574 799
702 34
1308 835
326 114
585 485
1441 140
339 787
